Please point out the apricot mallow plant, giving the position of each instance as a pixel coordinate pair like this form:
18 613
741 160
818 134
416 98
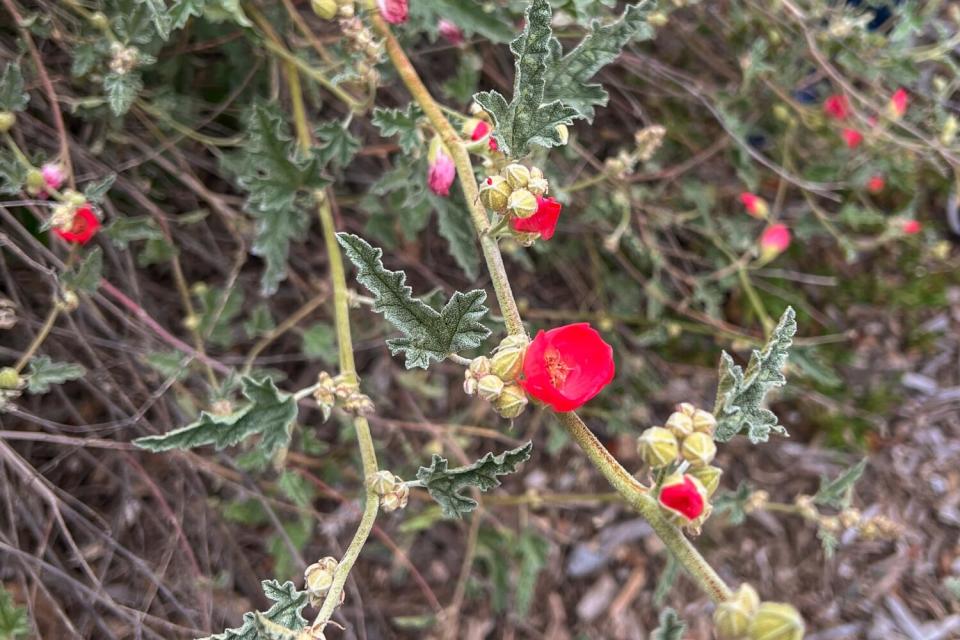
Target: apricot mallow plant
493 153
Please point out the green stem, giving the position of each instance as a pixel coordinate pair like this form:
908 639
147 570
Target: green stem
38 340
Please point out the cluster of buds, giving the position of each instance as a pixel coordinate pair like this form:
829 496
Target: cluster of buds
344 389
495 378
123 59
392 491
518 194
687 436
11 385
744 617
358 37
318 578
46 180
646 143
877 527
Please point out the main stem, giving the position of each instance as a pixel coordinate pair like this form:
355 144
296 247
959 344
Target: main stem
632 490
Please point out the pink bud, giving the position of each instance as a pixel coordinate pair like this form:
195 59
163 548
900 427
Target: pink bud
911 227
898 103
393 11
774 240
450 32
440 169
754 204
53 175
852 138
876 184
837 106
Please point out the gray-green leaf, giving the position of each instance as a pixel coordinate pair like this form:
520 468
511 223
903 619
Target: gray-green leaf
288 603
740 394
445 485
401 123
839 492
429 334
122 90
86 276
269 413
12 95
43 372
671 626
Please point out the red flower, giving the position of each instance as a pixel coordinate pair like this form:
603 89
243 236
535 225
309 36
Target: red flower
774 240
544 221
837 106
898 103
754 204
480 130
567 366
876 184
83 226
852 138
683 496
911 227
393 11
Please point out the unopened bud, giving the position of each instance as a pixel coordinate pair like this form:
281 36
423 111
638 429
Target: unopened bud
480 366
709 477
512 401
657 446
35 182
776 621
325 9
396 499
99 20
704 422
680 424
507 361
564 134
516 175
685 408
383 482
657 19
10 379
318 578
522 204
537 184
495 193
683 499
698 449
732 618
489 387
69 301
7 120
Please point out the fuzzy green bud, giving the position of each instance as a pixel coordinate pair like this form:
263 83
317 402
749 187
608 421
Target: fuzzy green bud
100 21
480 366
495 193
489 387
516 175
704 422
35 182
522 203
318 578
7 120
512 401
732 618
325 9
382 482
74 198
657 446
709 477
507 360
396 499
680 424
698 449
776 621
537 184
10 378
564 134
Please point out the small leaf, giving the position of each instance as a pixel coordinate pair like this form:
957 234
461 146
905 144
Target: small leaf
122 90
401 123
12 173
14 621
429 334
828 541
533 558
159 16
269 413
43 372
123 231
733 503
740 394
12 95
95 191
445 485
339 145
87 275
320 341
286 613
671 626
838 492
453 221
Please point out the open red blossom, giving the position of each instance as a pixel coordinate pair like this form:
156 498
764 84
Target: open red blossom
544 221
683 497
480 130
876 184
83 227
852 138
837 106
898 102
567 366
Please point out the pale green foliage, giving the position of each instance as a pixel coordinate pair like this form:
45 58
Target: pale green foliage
338 144
213 10
124 230
527 119
454 224
85 276
429 334
269 413
740 394
568 78
12 95
733 503
43 372
97 190
275 174
122 90
486 19
445 485
828 541
401 123
12 173
13 619
671 626
838 492
285 613
533 558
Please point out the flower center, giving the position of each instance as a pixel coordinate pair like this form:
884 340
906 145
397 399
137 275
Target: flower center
80 224
556 367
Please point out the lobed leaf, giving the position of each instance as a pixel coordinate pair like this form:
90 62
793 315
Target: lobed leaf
428 334
43 372
671 626
445 485
838 492
740 394
285 614
401 123
12 95
86 276
14 621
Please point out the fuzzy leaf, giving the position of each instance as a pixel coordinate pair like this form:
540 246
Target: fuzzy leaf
285 613
86 276
274 173
125 230
96 191
122 90
740 394
12 95
401 123
671 626
528 118
12 173
733 503
568 79
533 558
339 145
445 485
270 413
453 221
486 19
838 492
14 621
44 372
159 16
429 334
212 10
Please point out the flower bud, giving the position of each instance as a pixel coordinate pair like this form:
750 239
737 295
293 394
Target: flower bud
776 621
10 379
755 205
512 401
69 300
709 477
704 422
685 408
479 366
74 198
318 578
683 498
99 20
325 9
698 449
522 204
495 193
564 134
537 185
7 120
396 499
469 383
383 482
34 182
680 424
657 446
774 241
508 359
489 387
732 618
516 175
